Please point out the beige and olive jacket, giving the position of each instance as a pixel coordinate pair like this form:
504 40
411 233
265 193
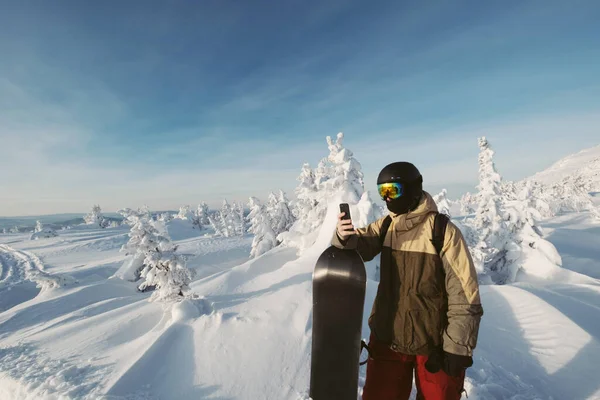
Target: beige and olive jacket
422 303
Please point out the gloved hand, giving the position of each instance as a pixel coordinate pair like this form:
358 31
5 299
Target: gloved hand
452 364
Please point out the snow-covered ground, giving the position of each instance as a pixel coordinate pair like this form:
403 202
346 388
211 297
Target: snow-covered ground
247 335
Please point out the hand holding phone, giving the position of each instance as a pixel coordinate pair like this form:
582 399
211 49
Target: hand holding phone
345 229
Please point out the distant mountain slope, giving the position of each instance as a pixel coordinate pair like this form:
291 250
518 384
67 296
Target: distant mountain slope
583 167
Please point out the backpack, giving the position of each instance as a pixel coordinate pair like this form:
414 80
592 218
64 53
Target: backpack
438 234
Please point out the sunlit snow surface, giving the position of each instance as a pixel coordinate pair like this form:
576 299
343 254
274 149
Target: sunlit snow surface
70 331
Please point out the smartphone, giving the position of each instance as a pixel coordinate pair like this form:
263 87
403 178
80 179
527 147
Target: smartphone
345 208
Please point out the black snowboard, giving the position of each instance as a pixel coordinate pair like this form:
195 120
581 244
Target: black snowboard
339 281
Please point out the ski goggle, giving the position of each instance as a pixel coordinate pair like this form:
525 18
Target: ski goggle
391 190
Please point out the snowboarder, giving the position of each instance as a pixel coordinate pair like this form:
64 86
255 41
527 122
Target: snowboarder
425 317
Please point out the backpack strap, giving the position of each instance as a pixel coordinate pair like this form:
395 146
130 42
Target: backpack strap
439 232
384 228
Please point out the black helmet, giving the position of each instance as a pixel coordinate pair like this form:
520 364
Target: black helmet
402 171
410 177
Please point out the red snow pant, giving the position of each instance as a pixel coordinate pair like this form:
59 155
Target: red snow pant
390 377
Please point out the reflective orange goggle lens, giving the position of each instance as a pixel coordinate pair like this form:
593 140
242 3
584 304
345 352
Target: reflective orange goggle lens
391 190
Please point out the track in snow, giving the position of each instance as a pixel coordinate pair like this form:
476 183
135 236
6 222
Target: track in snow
22 276
18 266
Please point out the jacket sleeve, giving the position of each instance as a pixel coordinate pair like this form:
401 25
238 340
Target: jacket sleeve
366 241
464 304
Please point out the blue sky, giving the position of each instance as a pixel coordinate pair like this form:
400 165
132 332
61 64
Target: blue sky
171 103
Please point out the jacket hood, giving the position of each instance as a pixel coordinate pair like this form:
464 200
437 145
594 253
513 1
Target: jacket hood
404 222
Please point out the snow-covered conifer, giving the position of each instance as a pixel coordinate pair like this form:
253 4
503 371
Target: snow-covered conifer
237 218
346 175
283 217
441 200
40 232
533 253
185 213
215 222
228 219
338 178
14 229
467 204
492 249
260 226
95 217
154 256
202 214
305 193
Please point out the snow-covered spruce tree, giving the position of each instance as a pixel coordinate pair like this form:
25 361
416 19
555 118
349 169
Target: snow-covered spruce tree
441 200
238 219
95 217
165 217
165 271
14 229
536 255
283 218
141 237
202 214
305 193
154 257
338 178
271 207
228 219
4 231
260 226
185 213
214 220
467 204
39 232
496 252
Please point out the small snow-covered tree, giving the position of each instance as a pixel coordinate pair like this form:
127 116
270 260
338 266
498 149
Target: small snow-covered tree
283 218
185 213
441 200
271 207
215 222
260 226
165 271
14 229
4 231
467 204
228 219
533 253
202 214
142 237
40 232
154 257
95 217
305 193
165 217
237 217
